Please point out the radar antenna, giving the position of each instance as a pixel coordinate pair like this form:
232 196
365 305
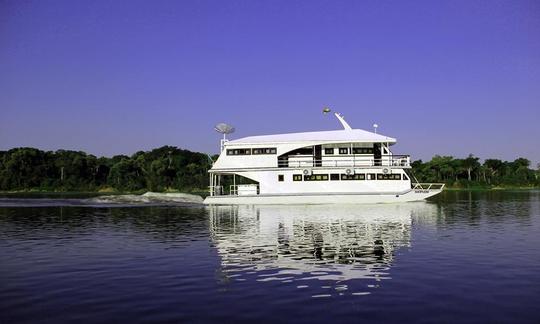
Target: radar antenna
224 129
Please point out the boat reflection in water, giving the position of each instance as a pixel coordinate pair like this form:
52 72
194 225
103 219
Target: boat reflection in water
326 249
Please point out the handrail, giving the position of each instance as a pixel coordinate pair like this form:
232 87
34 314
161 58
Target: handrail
233 190
428 186
305 161
215 190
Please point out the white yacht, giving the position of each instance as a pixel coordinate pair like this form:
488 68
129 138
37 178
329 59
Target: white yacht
340 166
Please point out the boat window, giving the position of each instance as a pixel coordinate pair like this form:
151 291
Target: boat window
316 177
362 150
371 176
334 176
343 150
266 150
358 176
302 151
329 151
381 176
405 177
297 177
280 177
239 152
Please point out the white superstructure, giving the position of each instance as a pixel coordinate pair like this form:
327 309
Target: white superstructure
340 166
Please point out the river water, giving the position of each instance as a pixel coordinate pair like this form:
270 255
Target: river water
461 257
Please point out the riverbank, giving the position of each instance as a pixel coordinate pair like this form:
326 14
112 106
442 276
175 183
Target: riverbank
490 188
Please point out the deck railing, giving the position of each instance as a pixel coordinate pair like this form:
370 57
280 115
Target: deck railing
216 190
234 190
428 186
302 162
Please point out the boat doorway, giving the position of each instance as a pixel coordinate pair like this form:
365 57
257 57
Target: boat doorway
222 184
317 155
377 154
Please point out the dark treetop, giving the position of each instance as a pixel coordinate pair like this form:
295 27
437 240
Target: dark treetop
156 170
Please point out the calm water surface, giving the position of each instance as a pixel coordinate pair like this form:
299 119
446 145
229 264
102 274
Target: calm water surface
464 256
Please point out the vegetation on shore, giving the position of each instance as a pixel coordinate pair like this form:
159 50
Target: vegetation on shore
170 169
163 169
469 173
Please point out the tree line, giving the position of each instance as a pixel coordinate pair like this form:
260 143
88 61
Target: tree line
169 167
160 169
470 172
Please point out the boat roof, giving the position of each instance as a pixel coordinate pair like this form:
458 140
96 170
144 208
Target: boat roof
340 136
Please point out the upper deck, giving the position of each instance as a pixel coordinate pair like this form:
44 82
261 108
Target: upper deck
322 137
338 148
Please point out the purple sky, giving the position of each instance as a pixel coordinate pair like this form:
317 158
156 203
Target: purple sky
111 77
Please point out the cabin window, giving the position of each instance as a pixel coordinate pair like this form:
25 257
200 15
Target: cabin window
329 151
371 176
239 152
405 177
302 151
381 176
362 150
316 177
334 176
267 150
343 150
280 177
297 177
358 176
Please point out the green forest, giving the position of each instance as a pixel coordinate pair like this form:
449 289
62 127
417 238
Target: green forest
169 168
471 173
164 168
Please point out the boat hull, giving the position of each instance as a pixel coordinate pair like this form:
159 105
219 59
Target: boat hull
323 198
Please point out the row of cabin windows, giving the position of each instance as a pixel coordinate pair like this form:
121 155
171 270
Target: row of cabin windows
272 150
255 151
346 150
337 176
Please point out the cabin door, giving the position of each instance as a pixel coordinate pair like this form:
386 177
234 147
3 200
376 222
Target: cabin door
317 156
377 156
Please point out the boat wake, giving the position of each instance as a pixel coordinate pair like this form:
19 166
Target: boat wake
147 199
151 198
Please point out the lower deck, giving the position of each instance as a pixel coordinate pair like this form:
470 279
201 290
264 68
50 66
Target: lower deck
301 181
324 198
312 185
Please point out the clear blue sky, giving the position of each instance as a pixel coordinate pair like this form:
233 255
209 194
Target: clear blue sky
111 77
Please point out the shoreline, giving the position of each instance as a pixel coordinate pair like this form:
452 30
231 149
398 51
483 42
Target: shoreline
492 189
201 193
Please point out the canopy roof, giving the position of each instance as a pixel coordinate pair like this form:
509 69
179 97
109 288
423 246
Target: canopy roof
335 136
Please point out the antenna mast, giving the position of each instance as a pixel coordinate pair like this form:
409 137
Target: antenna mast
340 117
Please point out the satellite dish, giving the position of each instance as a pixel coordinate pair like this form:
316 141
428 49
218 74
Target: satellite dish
224 128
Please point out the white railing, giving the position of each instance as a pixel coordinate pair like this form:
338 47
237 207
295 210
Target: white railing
427 186
395 160
215 190
234 190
